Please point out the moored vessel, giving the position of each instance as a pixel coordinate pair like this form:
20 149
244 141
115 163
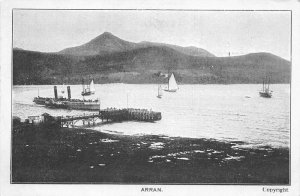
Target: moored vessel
74 104
88 89
159 92
266 92
67 103
41 100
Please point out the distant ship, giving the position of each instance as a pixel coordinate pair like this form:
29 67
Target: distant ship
159 92
88 89
266 92
172 84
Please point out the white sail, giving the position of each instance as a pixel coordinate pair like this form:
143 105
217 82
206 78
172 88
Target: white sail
92 86
172 83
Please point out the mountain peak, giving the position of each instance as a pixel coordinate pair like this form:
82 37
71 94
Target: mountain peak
105 36
106 33
107 43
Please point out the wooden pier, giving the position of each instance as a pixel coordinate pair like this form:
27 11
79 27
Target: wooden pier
110 115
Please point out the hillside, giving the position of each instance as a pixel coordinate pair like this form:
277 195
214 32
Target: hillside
108 43
105 43
144 65
191 50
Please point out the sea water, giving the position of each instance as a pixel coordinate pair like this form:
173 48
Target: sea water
223 112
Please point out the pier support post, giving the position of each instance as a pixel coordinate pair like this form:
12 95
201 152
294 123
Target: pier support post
55 92
69 92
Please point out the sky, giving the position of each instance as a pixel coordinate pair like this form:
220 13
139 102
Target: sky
219 32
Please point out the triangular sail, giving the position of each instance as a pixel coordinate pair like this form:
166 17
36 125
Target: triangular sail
92 86
172 83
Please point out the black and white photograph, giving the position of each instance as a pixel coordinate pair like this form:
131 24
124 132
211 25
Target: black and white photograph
151 97
155 96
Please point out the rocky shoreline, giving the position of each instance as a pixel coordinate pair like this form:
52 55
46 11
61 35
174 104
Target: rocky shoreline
63 155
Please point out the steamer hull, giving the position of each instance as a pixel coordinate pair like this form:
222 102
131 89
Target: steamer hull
74 105
83 106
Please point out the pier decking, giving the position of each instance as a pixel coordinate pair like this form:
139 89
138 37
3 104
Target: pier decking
111 115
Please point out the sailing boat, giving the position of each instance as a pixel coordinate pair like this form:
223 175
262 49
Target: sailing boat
88 89
159 92
266 90
172 85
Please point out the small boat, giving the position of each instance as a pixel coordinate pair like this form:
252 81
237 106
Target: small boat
88 89
172 85
41 100
159 92
266 92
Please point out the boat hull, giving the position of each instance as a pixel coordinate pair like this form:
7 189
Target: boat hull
87 93
170 90
74 105
40 100
83 106
265 94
